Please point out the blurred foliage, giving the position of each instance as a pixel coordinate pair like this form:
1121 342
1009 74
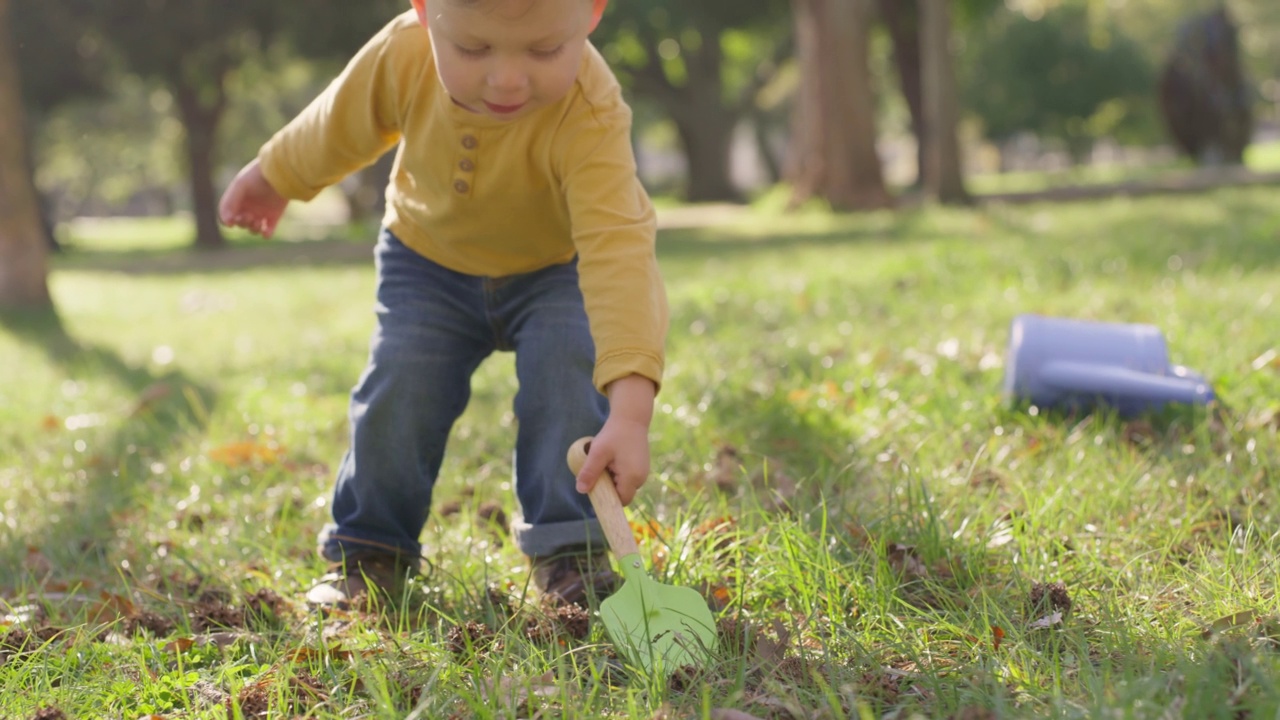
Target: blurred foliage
59 57
105 132
1061 77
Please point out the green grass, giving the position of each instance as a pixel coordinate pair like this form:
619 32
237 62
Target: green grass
1259 157
833 464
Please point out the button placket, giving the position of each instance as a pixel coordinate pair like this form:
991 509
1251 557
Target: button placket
464 169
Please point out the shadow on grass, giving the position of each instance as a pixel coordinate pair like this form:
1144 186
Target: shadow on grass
169 408
692 243
1152 232
308 253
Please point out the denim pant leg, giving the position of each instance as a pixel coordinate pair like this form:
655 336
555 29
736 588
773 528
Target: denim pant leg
557 403
431 335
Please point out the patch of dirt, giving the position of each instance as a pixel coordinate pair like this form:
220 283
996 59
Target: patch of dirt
49 712
153 622
258 700
214 615
1049 597
470 636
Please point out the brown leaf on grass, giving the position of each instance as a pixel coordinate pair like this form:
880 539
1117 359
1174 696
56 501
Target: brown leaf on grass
770 651
110 607
905 562
997 637
37 563
1229 622
179 645
249 452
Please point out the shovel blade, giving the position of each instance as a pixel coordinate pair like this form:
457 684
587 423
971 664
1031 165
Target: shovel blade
658 626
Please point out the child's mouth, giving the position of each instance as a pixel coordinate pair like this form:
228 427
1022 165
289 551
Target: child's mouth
502 109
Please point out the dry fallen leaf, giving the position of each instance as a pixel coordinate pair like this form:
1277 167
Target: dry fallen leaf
179 645
37 563
238 454
1229 622
997 636
1046 621
904 561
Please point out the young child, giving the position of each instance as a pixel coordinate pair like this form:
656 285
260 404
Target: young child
515 221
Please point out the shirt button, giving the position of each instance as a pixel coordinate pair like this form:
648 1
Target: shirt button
461 186
465 165
469 142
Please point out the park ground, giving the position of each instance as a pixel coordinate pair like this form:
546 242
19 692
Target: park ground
881 533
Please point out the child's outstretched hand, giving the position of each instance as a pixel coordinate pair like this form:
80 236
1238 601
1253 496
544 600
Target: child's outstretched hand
622 445
251 203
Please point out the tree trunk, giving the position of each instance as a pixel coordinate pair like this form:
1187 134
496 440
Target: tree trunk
24 254
706 133
902 18
366 191
833 132
702 120
201 110
943 179
764 148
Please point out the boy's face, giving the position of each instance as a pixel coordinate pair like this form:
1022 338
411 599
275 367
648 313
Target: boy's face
507 58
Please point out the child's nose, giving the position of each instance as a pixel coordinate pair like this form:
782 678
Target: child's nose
507 75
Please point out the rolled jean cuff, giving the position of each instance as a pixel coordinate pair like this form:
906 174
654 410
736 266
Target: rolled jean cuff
338 546
547 539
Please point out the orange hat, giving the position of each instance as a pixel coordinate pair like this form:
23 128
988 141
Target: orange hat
597 11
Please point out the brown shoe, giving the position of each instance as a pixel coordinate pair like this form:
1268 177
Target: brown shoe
354 581
575 577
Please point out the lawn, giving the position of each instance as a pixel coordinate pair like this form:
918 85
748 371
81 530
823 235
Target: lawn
880 533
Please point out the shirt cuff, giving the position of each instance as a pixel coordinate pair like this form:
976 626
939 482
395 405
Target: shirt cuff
621 364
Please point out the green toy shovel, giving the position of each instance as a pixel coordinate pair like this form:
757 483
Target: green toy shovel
660 627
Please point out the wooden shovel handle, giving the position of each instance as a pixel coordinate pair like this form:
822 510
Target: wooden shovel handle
604 498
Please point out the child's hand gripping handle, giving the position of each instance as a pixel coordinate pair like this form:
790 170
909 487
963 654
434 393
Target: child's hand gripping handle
604 498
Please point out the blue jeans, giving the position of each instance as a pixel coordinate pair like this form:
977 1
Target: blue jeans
434 327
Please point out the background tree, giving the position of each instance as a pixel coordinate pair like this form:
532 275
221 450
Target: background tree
1061 77
902 20
833 139
704 64
23 249
190 46
943 178
65 64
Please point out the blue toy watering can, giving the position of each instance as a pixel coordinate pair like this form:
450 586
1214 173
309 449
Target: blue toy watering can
1056 362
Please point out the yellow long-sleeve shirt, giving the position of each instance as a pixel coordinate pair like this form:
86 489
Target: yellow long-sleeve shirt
488 197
